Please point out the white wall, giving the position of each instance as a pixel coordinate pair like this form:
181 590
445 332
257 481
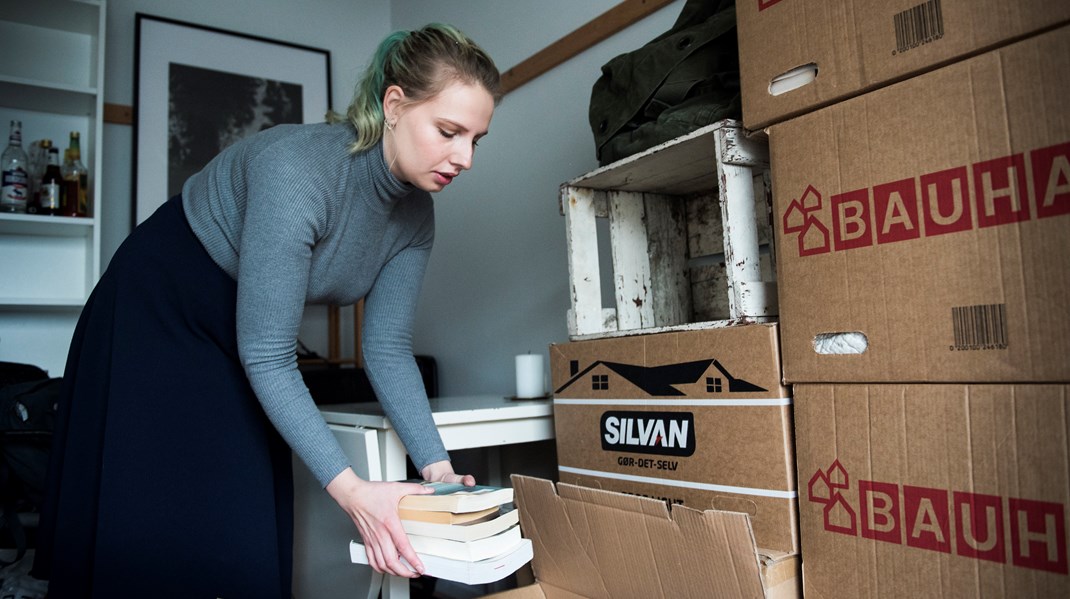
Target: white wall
497 284
498 280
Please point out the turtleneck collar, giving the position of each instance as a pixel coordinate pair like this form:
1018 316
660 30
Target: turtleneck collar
387 188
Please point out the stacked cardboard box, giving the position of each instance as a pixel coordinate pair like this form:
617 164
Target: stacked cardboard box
695 418
669 396
923 269
934 490
798 55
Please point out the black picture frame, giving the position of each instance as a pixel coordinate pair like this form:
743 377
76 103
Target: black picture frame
197 89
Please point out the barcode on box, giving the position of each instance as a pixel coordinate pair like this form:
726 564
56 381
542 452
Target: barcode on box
979 327
919 25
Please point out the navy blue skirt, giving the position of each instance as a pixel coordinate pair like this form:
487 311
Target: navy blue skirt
167 479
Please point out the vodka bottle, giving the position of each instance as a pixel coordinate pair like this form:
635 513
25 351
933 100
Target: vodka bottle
15 192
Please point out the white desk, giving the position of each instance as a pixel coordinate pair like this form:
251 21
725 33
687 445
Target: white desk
464 422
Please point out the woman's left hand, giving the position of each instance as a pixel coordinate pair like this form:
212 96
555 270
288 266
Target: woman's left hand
442 472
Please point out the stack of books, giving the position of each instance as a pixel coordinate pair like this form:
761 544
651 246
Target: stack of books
465 534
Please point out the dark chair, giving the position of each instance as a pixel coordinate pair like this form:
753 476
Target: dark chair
334 383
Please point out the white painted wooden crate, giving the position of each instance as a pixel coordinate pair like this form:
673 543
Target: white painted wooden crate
690 236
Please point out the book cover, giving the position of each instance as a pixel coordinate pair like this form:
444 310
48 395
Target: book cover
465 531
455 497
481 572
449 518
469 551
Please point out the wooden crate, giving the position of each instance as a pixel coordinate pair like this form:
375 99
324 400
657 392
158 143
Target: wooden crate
689 232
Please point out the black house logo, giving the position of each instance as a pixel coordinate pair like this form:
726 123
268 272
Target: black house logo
659 381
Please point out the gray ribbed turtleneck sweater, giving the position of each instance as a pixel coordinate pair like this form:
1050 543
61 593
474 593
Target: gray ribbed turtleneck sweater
295 218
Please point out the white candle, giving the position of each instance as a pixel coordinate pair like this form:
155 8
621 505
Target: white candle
529 376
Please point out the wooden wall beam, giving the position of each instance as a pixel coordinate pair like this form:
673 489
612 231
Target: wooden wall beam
118 114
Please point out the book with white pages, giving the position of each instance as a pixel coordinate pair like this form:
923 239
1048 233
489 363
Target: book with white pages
469 531
481 572
469 551
457 498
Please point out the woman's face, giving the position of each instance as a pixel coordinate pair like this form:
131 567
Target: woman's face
433 141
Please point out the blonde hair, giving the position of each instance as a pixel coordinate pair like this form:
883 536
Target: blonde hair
422 63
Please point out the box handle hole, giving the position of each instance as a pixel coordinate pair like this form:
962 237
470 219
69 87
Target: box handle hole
793 79
841 344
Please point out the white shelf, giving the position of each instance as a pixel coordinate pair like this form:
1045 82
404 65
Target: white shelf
40 303
73 16
47 96
48 226
51 79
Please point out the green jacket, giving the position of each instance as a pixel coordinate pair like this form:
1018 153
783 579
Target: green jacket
682 80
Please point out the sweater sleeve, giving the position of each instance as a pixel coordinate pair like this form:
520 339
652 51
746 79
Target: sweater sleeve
389 311
282 222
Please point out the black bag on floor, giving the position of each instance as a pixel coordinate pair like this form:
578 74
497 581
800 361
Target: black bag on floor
14 372
27 419
680 81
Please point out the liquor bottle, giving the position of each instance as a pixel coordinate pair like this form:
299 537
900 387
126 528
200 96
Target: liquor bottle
39 151
70 187
15 193
76 176
50 195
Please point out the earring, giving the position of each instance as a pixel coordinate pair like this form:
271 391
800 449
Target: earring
389 124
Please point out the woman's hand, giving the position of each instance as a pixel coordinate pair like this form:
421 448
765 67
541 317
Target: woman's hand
373 507
443 472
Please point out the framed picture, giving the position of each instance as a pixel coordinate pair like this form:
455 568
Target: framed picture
199 89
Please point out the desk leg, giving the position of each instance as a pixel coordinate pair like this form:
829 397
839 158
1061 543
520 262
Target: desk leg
392 451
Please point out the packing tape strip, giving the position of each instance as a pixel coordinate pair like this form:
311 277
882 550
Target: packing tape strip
682 483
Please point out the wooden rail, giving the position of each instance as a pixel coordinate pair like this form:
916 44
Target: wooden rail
594 31
118 114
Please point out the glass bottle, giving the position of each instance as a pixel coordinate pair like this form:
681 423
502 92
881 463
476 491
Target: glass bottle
15 192
50 195
70 187
76 176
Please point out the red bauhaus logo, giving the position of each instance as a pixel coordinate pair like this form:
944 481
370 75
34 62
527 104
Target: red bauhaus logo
1024 532
983 194
764 4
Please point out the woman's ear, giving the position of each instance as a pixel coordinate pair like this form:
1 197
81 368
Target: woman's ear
393 99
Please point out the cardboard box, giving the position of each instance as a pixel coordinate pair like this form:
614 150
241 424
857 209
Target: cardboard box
922 228
860 45
934 490
697 418
599 544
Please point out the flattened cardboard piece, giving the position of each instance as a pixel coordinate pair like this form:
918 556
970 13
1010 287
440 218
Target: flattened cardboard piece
697 418
599 544
934 491
836 49
922 228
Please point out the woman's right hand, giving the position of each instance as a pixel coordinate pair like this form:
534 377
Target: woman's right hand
373 507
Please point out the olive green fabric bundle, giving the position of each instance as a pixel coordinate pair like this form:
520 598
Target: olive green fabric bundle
684 79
